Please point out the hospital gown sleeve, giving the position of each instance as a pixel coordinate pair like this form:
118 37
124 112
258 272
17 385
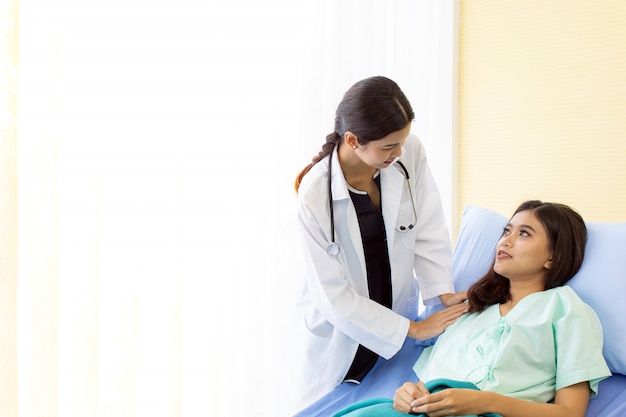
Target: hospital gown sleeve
579 341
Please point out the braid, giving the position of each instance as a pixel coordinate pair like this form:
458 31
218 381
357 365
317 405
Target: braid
331 141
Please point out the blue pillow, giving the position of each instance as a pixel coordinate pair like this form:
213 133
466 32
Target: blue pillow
600 282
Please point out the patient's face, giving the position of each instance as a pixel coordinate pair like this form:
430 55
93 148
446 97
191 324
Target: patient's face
523 252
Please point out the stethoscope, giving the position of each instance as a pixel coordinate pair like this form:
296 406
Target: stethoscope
333 248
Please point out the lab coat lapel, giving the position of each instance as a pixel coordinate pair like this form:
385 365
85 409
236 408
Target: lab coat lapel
345 214
391 182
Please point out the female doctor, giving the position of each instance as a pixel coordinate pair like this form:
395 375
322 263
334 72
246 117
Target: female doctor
373 232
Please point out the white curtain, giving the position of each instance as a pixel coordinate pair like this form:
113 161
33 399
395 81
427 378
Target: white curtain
148 153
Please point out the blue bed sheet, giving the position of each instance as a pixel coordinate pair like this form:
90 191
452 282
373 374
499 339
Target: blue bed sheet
388 375
381 381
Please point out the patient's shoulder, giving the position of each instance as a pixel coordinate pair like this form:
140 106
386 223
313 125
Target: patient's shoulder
566 303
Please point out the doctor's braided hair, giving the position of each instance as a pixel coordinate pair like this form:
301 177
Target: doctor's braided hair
371 109
567 238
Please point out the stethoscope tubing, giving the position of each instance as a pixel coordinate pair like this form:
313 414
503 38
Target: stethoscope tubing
333 248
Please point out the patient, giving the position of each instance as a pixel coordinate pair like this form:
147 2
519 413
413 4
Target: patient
528 346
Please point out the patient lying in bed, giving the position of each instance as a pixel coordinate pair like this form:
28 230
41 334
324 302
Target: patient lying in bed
529 346
600 282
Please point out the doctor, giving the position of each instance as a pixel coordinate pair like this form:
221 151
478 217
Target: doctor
372 232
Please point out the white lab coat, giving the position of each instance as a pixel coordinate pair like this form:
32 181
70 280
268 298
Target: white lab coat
334 312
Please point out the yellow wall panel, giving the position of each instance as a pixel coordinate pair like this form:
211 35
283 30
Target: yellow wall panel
542 105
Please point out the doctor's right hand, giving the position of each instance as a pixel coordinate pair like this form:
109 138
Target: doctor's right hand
436 323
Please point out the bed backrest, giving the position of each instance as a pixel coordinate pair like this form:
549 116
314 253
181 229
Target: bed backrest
601 281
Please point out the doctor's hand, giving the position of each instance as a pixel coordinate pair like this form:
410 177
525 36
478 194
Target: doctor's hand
436 323
450 299
407 394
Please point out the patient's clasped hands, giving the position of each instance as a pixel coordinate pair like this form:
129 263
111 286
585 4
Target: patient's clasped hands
415 398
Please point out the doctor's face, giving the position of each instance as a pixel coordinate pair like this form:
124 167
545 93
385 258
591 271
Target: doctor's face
381 153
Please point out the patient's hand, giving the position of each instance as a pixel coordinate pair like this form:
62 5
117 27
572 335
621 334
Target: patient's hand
450 299
406 394
451 402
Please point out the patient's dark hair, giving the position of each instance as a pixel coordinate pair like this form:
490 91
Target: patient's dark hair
371 109
567 237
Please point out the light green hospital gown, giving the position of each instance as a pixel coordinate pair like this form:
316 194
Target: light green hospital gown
548 341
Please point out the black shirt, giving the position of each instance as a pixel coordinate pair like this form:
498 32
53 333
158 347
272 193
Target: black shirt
378 269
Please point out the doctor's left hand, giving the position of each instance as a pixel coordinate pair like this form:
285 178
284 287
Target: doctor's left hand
450 299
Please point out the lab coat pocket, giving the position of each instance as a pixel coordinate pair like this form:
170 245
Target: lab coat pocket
318 326
318 347
405 225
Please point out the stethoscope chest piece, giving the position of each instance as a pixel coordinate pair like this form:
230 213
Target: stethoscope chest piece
333 249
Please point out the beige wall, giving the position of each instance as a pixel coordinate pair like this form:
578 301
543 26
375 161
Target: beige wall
542 104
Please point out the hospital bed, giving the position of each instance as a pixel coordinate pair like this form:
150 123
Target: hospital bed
601 282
